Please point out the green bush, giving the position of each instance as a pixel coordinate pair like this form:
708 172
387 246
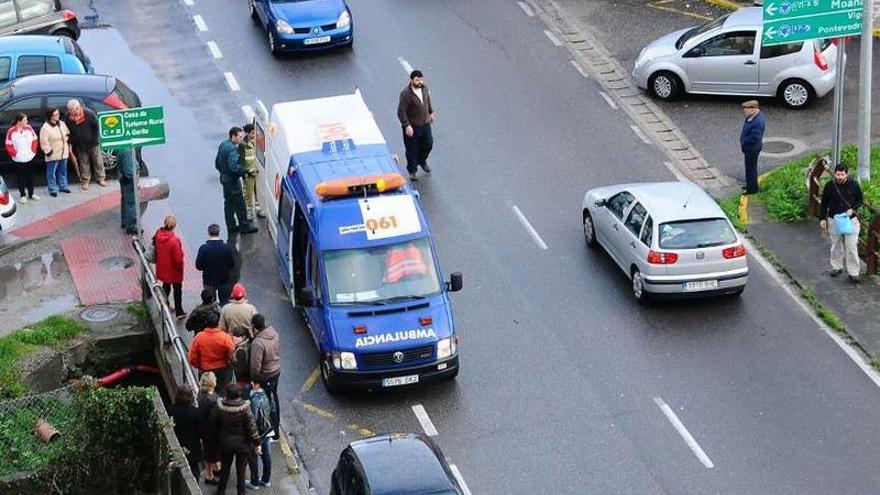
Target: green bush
20 448
730 205
52 331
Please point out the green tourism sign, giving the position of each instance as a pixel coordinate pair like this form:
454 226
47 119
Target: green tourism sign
789 21
143 126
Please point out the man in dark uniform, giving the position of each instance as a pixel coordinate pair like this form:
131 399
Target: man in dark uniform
416 115
228 163
127 175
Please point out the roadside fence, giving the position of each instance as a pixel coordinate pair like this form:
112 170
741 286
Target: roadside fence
869 237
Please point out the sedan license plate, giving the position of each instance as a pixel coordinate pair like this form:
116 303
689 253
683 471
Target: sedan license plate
700 285
400 380
317 41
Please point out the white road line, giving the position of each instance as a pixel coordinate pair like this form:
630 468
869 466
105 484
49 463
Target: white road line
525 8
528 226
608 99
408 68
230 80
685 434
460 479
214 49
553 38
188 3
579 68
248 112
676 172
640 134
200 23
424 420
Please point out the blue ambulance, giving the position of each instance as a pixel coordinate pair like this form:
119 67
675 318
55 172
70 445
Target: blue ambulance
356 252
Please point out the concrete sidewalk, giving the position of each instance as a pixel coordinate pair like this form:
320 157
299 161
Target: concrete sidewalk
803 251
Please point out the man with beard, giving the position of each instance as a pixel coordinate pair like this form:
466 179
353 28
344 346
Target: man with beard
416 115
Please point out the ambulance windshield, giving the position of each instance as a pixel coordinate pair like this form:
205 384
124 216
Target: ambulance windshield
383 274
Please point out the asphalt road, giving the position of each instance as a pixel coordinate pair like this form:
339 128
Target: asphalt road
713 122
563 374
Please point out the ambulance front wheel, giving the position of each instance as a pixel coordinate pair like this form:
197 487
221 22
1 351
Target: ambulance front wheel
329 379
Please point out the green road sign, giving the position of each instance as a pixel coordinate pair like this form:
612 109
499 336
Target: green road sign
132 127
788 21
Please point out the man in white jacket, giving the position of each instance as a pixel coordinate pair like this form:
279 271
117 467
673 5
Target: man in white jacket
21 145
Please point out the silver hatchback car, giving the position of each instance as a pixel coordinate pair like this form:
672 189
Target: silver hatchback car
670 238
725 56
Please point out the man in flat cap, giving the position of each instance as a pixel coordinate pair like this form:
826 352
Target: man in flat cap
751 141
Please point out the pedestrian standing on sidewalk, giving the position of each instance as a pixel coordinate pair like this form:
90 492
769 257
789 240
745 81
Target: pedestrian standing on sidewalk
216 260
228 163
261 409
416 115
197 320
241 358
211 350
127 174
207 401
248 148
238 312
186 426
751 142
169 263
85 150
54 137
237 430
266 365
841 200
21 145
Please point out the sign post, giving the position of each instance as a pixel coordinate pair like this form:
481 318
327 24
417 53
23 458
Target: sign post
131 128
864 126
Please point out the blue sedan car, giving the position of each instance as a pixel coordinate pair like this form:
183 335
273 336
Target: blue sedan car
303 25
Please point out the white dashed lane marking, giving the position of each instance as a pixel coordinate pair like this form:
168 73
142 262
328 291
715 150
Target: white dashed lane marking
579 68
685 434
424 420
460 479
552 37
525 8
214 49
528 226
231 81
406 66
200 23
608 99
248 112
638 132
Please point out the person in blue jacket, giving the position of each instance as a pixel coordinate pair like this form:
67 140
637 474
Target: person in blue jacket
229 163
751 141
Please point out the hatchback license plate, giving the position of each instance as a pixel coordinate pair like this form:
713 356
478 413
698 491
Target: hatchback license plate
400 380
700 285
317 41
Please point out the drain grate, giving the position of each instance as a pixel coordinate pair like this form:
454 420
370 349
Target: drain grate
777 146
98 314
116 263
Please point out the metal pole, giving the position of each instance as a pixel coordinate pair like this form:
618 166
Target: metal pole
137 195
866 56
838 100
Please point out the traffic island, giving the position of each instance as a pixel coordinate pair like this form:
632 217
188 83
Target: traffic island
777 221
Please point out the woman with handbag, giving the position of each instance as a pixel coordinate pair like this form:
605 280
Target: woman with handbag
169 262
841 200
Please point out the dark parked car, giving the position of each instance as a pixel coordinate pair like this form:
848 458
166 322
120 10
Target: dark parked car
392 464
33 95
37 17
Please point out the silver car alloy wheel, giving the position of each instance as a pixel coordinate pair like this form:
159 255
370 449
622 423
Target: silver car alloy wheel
796 94
109 158
589 229
638 287
662 86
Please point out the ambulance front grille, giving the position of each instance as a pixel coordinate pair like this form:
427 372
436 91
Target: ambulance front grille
386 358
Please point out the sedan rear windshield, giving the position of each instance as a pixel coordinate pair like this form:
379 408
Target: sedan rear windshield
693 234
705 28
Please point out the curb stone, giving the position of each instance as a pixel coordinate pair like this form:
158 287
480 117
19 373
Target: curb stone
293 463
644 113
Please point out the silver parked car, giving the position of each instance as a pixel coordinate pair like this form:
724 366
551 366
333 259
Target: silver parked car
725 56
670 238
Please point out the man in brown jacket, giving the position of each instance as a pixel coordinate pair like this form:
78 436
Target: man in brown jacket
266 364
416 115
236 429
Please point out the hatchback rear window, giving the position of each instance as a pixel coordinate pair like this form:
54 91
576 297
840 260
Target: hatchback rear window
693 234
124 93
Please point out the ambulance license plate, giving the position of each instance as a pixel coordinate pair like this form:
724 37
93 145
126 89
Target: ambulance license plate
400 380
700 285
316 41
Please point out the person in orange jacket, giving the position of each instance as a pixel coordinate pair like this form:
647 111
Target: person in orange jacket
211 350
21 145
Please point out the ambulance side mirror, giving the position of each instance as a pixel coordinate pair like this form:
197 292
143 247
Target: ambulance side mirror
306 298
455 282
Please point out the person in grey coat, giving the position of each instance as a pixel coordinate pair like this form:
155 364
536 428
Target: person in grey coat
127 176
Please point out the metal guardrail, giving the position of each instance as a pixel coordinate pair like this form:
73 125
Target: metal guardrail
868 246
168 329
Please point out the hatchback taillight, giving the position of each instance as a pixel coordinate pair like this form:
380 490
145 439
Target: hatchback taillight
4 198
661 258
737 251
68 15
115 101
819 60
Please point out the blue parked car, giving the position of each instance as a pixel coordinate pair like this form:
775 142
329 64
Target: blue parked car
29 55
303 25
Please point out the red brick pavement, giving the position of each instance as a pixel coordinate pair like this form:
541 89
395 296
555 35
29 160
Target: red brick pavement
94 283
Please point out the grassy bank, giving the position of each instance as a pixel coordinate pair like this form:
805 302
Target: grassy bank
52 331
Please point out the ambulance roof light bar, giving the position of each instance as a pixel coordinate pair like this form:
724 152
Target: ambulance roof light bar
366 184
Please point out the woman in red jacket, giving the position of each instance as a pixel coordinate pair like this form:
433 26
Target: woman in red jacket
169 262
21 145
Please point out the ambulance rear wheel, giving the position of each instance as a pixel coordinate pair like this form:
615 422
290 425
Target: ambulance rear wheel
328 378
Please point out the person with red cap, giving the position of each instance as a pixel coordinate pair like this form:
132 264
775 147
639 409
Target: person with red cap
238 312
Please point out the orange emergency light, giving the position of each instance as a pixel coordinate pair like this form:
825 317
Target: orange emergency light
359 185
